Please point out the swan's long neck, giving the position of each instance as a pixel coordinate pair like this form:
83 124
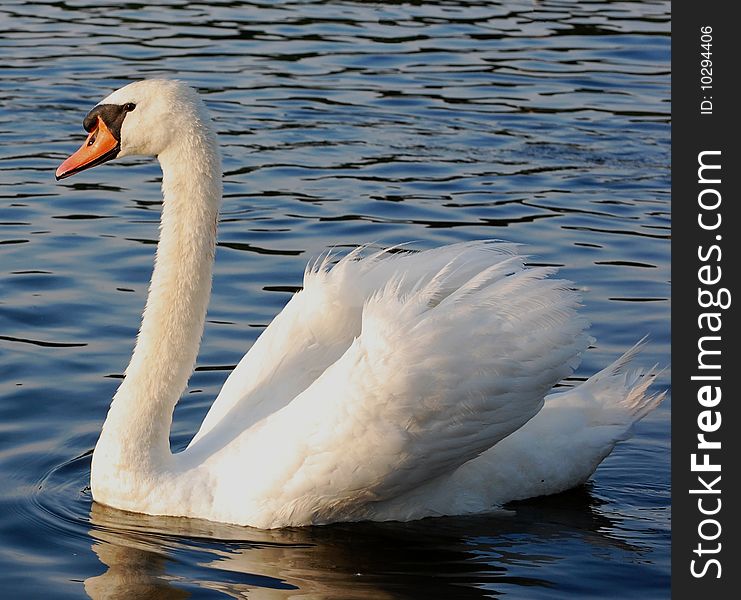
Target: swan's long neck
135 440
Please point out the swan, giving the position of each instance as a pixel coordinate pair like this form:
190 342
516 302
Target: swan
393 386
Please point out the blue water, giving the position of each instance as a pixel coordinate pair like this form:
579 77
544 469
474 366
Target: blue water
545 123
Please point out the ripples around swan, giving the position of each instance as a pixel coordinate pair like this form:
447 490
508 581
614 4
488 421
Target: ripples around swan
545 123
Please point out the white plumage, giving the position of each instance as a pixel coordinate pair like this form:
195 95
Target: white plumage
395 385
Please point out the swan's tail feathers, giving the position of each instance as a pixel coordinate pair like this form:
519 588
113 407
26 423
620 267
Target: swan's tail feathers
638 402
619 393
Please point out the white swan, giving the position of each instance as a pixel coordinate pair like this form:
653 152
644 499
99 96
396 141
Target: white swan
393 386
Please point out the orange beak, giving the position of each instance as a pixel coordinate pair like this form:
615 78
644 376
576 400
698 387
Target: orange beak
100 146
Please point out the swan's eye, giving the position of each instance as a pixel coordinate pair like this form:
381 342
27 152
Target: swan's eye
129 106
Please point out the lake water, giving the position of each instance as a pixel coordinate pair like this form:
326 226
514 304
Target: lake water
545 123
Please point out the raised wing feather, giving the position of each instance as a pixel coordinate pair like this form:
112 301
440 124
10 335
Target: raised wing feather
319 323
442 370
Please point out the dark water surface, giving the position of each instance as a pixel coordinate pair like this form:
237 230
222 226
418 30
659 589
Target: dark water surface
545 123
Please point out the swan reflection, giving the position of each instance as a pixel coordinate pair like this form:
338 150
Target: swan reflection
472 557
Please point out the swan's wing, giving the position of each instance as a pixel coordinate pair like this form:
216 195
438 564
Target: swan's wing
308 335
433 380
319 323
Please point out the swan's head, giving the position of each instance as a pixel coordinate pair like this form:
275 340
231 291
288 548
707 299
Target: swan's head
144 118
